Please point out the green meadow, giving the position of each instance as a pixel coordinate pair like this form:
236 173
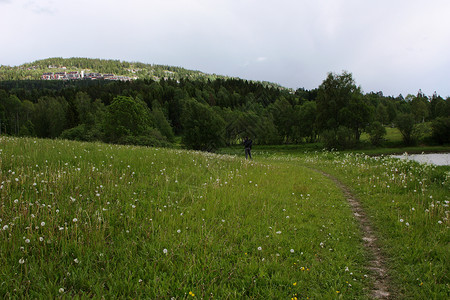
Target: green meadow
92 220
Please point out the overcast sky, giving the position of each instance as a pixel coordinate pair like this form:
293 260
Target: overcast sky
393 46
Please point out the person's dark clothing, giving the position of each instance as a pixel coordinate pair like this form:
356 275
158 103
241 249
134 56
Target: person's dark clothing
248 147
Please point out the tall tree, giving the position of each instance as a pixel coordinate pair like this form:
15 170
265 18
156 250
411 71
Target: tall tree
126 117
340 104
405 123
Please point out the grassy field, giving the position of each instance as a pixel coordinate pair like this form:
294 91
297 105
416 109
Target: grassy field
95 220
408 205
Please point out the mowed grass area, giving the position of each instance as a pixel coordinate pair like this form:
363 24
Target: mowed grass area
92 220
393 136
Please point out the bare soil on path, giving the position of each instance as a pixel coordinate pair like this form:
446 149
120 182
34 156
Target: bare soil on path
381 288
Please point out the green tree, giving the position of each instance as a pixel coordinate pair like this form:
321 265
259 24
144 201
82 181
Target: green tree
266 132
160 121
382 114
203 128
12 106
441 130
90 115
49 116
283 114
420 108
308 115
340 104
126 117
405 123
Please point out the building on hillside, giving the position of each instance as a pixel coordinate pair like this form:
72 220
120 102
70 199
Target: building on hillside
47 76
74 75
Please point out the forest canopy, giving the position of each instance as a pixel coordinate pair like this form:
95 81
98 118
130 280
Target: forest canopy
208 112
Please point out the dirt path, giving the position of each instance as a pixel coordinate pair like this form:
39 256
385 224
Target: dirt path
377 264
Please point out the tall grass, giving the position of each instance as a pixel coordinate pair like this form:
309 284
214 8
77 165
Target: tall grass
408 204
95 220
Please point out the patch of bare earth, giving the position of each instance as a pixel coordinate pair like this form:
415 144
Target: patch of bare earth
377 264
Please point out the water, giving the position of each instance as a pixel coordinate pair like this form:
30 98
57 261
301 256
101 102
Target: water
438 159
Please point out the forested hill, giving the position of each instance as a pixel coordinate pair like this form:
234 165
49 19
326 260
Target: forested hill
133 70
206 111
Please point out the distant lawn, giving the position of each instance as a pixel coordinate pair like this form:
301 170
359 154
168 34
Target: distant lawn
393 136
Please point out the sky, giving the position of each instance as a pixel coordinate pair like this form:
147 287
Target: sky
393 46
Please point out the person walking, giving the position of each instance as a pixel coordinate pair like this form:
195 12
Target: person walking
248 147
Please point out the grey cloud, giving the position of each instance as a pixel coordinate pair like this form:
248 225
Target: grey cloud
41 7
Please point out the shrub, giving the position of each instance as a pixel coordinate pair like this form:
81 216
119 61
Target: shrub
76 133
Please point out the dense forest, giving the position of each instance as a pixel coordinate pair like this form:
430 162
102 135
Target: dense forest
210 112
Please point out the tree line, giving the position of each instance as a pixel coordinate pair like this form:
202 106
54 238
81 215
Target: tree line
208 114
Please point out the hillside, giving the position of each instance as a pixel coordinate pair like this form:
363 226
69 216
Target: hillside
206 111
131 70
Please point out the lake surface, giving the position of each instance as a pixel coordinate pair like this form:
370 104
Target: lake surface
438 159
